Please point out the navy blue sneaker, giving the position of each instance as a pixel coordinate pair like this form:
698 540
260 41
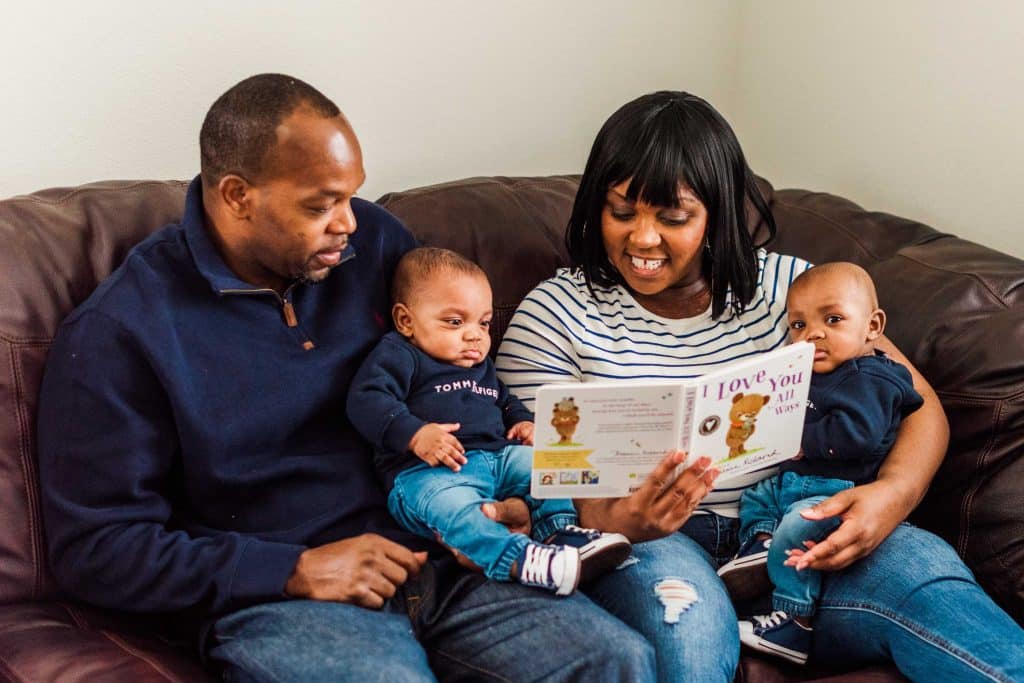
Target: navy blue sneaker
599 552
553 568
777 634
746 575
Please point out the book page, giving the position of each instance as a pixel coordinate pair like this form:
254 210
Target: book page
750 415
601 440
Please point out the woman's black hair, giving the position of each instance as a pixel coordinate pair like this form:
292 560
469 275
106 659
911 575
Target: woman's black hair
659 142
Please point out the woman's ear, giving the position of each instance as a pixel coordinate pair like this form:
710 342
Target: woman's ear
403 319
876 324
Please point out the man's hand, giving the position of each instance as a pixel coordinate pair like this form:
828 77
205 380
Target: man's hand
434 444
365 571
511 512
659 507
522 431
869 513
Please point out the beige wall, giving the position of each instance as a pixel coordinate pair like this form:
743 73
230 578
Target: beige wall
912 107
436 90
915 107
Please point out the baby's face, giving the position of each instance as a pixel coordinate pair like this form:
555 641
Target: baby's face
449 319
835 314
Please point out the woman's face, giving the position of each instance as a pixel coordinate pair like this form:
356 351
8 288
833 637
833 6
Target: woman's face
654 248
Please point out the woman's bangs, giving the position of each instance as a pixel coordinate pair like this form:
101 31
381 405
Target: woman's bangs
658 169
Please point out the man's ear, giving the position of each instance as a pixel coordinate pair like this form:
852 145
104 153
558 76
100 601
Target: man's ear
876 324
403 319
236 195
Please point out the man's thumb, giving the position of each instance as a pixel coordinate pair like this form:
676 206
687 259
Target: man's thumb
450 426
490 511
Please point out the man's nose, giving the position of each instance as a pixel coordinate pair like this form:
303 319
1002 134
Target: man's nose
343 222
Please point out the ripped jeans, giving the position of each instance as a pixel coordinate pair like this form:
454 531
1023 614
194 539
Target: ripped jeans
668 591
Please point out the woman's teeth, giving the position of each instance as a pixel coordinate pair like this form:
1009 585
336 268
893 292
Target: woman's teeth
646 263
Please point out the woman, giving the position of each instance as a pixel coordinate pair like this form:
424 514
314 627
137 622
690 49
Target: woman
666 282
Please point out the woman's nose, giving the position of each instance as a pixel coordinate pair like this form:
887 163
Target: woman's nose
645 234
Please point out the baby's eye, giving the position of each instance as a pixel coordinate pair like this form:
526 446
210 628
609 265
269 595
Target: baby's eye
833 319
486 324
797 325
454 322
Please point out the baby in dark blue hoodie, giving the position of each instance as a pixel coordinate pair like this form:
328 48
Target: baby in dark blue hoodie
858 397
449 437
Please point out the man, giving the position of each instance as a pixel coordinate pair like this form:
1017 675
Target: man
194 450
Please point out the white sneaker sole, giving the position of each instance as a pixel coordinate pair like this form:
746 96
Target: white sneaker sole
748 638
603 555
746 577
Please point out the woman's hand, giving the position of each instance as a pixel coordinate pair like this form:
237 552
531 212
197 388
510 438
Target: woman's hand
512 512
659 507
869 513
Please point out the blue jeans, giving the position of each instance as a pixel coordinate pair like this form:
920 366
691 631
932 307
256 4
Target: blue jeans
459 629
772 506
669 592
911 601
435 501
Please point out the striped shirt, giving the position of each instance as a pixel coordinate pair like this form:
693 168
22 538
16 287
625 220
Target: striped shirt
561 333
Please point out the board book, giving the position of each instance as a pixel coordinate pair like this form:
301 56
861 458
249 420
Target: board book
601 439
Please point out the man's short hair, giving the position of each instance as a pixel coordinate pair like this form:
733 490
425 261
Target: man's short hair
240 127
424 263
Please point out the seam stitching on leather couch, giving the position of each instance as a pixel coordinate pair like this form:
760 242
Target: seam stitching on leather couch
12 674
27 473
116 640
63 199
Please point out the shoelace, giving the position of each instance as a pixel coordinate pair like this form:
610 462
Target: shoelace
582 530
773 619
536 565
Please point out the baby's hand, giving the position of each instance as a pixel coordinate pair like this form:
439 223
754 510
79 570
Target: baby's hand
435 445
522 431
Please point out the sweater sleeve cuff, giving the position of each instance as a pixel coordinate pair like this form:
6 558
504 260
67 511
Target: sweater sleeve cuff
517 416
263 570
400 432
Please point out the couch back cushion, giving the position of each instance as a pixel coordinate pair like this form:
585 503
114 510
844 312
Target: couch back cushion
56 246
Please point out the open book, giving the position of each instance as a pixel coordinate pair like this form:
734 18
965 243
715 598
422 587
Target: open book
601 439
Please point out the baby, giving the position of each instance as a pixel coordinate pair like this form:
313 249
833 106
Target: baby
428 396
857 398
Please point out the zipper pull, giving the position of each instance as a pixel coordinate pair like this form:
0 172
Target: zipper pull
289 314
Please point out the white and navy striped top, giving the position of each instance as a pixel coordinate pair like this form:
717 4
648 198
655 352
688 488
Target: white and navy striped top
561 333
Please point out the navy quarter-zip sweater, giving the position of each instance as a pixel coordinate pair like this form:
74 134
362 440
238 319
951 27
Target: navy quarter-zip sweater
192 430
399 389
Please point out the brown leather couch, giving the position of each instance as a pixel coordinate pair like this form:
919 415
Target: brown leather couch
955 308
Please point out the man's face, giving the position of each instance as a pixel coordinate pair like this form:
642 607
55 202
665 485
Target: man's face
449 318
301 212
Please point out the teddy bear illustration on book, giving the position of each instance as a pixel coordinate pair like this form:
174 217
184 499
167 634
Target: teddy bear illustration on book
742 417
565 418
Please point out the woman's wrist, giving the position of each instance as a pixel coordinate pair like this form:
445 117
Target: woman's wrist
902 495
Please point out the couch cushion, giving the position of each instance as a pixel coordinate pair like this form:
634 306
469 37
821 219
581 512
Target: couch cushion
60 642
58 244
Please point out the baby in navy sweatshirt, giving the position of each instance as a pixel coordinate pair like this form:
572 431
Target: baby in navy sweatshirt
858 397
449 436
